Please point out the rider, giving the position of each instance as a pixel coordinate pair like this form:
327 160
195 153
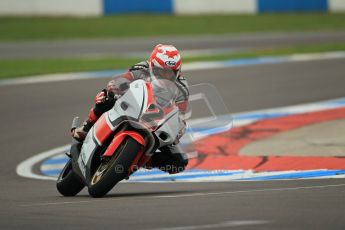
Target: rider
165 58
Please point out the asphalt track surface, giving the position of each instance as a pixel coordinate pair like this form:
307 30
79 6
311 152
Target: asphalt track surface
210 44
36 117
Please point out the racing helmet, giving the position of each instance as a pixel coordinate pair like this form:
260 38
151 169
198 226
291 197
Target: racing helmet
165 61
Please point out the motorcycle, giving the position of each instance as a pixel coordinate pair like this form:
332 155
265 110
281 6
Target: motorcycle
124 138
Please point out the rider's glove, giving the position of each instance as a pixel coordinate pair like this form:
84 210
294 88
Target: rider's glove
100 97
104 96
104 101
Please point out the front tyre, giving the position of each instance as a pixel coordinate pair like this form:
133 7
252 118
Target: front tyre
109 173
68 183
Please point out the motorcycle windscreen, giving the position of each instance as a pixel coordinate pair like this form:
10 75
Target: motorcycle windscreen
206 115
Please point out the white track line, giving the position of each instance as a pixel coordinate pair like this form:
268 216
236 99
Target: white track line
25 169
226 224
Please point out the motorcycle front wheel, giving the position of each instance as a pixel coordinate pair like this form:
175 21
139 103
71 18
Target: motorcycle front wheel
110 172
68 183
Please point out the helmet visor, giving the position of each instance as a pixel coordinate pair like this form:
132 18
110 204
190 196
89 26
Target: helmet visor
167 74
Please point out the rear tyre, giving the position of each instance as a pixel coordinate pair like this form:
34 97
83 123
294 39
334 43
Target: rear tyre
109 173
68 183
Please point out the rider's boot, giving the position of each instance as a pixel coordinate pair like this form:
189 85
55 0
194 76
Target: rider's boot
80 133
170 159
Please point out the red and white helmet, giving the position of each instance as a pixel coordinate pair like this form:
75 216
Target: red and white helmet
166 57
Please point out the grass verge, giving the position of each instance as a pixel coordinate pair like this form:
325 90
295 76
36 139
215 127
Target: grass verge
40 28
27 67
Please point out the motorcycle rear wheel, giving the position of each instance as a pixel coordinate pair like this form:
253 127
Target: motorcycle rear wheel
68 183
109 173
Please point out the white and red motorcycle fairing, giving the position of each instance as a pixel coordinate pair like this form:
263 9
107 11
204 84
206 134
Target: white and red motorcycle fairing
132 105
